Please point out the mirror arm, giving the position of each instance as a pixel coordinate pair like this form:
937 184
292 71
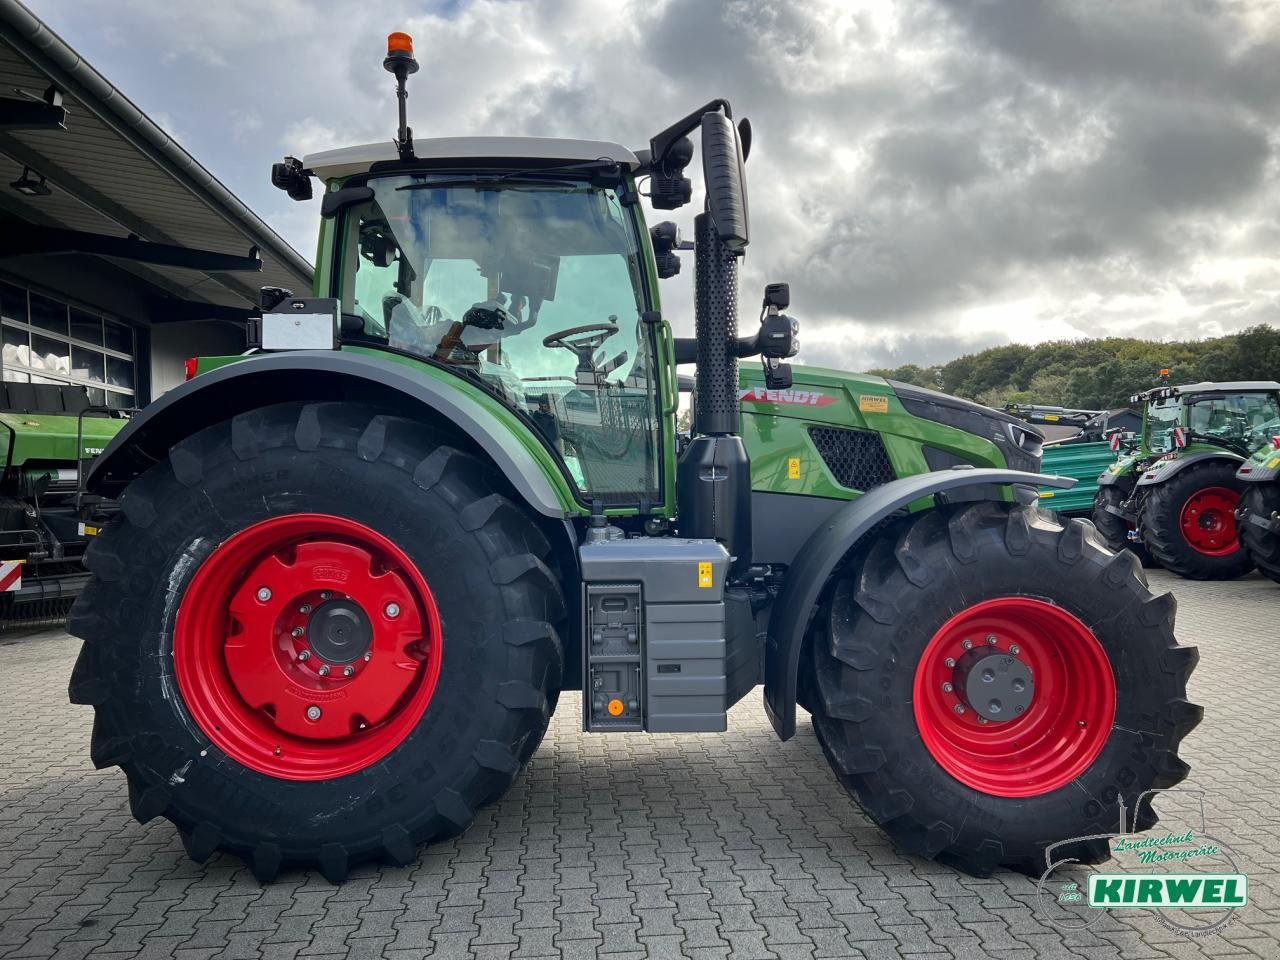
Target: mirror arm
660 143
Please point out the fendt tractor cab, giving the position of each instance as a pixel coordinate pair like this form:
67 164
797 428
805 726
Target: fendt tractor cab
355 570
1259 512
1172 496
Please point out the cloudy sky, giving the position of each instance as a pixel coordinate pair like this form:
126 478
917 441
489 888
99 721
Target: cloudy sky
932 176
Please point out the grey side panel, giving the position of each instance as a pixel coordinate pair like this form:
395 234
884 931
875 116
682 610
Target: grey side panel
310 375
782 522
1183 462
1258 474
1111 479
680 662
789 619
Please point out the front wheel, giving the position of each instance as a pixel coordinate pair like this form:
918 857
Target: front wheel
1263 545
317 635
1188 522
992 681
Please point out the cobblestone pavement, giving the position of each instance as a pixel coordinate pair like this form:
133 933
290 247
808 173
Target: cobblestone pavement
636 846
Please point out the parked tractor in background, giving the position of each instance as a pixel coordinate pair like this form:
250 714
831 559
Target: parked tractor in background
45 520
1259 513
1172 498
1082 456
353 573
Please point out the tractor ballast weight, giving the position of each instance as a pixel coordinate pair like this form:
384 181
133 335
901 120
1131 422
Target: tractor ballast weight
347 587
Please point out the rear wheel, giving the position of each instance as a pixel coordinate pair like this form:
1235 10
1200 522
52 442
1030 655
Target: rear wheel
1114 529
1188 522
1263 547
317 635
991 681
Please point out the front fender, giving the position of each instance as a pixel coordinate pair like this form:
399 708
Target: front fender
1162 470
318 375
823 551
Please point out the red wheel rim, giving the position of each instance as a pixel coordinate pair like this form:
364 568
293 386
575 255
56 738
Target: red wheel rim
1055 737
1208 521
307 646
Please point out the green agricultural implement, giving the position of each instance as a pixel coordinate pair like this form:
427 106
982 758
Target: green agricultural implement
354 572
1172 497
1259 512
45 519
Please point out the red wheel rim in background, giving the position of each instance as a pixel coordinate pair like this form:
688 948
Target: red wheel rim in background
1208 521
1063 728
240 662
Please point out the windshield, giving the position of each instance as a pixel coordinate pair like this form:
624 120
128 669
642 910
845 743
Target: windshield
1162 417
533 289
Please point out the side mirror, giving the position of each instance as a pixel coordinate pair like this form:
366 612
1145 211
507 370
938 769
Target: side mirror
725 181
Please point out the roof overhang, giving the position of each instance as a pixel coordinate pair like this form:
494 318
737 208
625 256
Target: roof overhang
119 187
468 151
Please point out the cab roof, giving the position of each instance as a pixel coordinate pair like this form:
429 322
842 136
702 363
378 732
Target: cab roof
1218 387
501 151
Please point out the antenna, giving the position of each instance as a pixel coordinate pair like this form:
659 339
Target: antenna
400 62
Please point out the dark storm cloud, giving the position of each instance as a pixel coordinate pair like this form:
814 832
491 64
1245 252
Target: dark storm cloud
931 177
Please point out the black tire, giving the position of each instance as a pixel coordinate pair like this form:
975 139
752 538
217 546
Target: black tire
882 613
1161 510
1114 530
1261 499
482 556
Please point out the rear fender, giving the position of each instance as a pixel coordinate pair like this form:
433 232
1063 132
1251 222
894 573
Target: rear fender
828 545
320 375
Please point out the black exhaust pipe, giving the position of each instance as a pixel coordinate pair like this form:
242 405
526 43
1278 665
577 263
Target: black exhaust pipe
714 474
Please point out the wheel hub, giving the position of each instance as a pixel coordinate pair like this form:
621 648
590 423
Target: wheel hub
1208 521
997 686
340 632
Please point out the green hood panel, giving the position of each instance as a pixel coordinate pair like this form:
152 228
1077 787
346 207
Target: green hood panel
49 436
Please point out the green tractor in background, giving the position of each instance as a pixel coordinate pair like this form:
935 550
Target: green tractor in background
46 520
1259 513
353 572
1172 497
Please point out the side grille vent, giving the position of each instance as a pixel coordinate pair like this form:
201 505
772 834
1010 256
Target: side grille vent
856 458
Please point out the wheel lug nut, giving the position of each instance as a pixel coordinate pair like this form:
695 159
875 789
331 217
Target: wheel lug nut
304 655
968 644
950 661
983 720
264 594
959 708
313 713
392 610
947 688
1015 649
325 595
305 608
298 631
348 670
991 638
367 657
324 671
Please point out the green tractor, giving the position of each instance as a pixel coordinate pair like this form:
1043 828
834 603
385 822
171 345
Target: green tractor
354 571
1172 497
45 519
1259 513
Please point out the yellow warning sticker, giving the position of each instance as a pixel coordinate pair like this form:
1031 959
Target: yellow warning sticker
871 403
793 468
1273 463
88 530
1051 417
704 573
1046 494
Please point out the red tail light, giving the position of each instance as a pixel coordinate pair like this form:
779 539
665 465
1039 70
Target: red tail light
189 366
1275 442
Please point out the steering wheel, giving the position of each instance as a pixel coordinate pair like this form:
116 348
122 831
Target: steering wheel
586 339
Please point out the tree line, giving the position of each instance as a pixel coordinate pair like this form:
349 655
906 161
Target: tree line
1096 374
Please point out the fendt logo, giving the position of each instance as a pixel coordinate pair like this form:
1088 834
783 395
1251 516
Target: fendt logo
1168 890
797 398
